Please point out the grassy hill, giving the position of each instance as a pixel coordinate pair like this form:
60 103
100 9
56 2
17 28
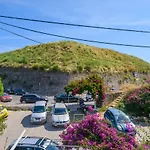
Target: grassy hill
70 57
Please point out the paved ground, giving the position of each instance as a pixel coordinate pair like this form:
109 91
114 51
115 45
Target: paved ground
16 102
20 120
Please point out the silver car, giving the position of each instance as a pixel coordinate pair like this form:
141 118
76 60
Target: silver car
39 113
60 115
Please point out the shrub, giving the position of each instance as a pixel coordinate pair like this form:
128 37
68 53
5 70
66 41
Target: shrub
139 100
93 83
1 88
95 133
2 125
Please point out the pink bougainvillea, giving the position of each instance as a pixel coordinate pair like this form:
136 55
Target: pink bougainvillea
93 83
94 133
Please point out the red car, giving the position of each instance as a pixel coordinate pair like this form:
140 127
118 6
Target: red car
6 98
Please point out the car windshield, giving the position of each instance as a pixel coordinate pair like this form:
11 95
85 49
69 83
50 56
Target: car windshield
5 94
60 111
122 118
39 109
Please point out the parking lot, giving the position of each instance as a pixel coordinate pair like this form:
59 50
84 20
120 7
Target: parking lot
16 102
20 120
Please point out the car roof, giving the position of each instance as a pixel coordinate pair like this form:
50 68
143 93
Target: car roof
29 140
33 141
60 105
115 111
40 103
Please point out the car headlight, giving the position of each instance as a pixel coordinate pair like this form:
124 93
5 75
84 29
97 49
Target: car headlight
119 127
42 118
32 118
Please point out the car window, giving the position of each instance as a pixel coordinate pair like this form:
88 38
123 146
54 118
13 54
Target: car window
110 115
60 111
27 148
5 94
39 109
18 148
122 118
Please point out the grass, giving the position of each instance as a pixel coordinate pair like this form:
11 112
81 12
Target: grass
68 56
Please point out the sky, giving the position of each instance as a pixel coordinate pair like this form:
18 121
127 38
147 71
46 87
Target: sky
128 14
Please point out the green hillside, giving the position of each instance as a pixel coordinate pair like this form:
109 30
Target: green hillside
70 56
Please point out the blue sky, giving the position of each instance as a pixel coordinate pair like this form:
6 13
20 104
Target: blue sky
117 13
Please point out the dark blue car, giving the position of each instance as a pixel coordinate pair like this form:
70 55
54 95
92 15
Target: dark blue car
120 121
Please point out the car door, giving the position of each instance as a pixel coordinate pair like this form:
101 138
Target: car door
35 98
30 98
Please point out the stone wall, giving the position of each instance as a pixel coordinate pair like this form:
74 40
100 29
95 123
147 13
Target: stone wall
51 83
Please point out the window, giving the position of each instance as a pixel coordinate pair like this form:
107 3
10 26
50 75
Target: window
39 109
60 111
110 115
27 148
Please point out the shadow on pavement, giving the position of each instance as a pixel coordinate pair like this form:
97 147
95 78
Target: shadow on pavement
48 126
26 122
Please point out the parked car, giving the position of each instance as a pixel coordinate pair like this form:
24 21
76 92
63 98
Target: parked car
88 96
3 112
66 98
60 115
31 98
120 121
35 143
6 98
39 113
20 92
9 90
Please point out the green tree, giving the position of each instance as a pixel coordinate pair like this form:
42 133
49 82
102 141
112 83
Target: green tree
2 120
93 83
2 125
1 88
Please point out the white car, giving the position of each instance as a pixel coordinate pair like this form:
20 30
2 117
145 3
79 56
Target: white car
60 115
39 113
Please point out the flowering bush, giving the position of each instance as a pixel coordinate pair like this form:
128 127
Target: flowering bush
1 88
148 80
90 108
93 83
95 133
139 101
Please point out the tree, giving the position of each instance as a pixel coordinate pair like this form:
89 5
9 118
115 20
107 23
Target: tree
93 83
2 123
1 88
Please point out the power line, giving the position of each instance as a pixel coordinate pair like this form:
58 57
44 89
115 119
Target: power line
20 35
76 25
77 39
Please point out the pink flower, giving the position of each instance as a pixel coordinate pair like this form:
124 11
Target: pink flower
90 108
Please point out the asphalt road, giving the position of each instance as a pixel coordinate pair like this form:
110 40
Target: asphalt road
20 120
16 102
